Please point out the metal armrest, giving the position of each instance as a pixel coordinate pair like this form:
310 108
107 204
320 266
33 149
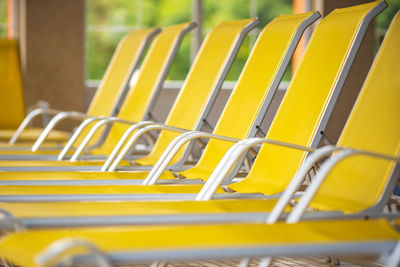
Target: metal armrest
173 149
135 137
28 119
230 158
64 248
54 121
75 136
93 131
323 173
122 141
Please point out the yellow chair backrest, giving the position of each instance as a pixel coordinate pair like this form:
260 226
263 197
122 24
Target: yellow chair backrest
304 104
112 89
124 61
12 103
204 78
374 124
260 77
152 74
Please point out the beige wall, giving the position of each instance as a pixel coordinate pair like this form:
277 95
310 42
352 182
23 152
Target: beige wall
51 34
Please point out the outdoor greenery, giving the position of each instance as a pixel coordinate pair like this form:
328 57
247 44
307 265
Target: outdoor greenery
3 18
108 21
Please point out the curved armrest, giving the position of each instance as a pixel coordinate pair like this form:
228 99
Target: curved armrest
173 149
325 169
93 131
136 136
122 141
28 119
230 158
54 121
75 136
66 248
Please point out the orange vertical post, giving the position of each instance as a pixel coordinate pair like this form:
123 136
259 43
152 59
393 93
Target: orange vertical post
299 6
10 19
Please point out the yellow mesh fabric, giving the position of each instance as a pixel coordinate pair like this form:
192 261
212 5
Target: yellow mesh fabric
26 248
103 103
12 104
116 76
125 208
100 189
253 85
118 72
138 99
199 84
374 124
29 135
305 101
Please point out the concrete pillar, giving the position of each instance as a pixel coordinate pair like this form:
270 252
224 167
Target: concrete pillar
51 34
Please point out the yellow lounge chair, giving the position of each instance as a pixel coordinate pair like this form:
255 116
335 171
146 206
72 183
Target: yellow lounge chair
196 97
105 246
124 62
141 97
279 38
364 131
349 176
305 97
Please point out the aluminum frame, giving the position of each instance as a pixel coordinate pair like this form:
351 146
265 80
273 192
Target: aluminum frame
373 248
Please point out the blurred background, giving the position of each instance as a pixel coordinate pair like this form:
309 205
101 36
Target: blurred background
66 45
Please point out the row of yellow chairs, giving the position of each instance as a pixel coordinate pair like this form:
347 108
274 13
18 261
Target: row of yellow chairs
119 217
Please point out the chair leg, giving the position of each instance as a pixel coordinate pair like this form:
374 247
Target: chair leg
334 261
244 262
159 264
394 257
265 262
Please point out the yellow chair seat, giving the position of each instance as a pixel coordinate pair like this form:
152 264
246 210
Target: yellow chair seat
31 134
72 175
50 163
25 248
126 208
100 189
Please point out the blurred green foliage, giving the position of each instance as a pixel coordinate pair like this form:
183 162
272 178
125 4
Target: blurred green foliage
3 18
108 21
384 19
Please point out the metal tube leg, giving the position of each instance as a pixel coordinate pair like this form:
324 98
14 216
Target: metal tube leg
244 262
265 262
159 264
394 257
